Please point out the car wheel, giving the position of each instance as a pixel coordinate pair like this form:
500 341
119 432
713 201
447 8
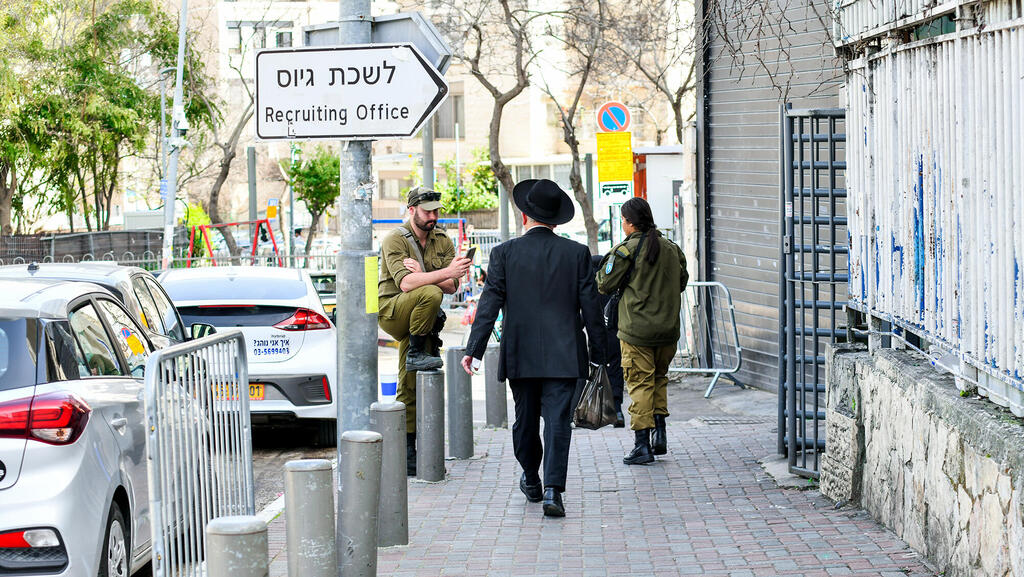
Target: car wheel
114 555
326 433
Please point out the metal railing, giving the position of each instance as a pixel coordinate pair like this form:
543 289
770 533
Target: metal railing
710 338
199 446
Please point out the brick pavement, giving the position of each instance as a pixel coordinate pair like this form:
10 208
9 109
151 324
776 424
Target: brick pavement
707 508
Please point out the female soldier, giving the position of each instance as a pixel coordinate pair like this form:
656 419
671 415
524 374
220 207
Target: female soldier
651 272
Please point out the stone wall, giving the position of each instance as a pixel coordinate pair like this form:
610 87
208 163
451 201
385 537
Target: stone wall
945 473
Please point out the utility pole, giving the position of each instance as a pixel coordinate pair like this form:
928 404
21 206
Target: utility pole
178 127
356 261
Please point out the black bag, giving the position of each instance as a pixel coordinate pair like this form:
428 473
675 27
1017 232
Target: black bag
596 408
611 308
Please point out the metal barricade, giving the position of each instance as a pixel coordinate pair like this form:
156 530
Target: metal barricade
710 339
199 446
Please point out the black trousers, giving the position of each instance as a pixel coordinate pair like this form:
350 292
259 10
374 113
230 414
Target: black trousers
552 400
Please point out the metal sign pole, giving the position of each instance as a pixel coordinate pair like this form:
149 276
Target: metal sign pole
356 321
178 127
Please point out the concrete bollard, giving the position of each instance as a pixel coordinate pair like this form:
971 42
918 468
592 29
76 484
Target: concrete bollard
460 405
237 547
430 425
496 395
309 513
358 501
388 419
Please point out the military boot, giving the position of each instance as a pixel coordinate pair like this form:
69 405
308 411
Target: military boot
641 454
410 454
659 438
435 342
417 358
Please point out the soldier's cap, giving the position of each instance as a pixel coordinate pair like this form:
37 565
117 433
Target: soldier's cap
425 198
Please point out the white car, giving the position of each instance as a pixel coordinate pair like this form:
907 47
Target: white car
291 343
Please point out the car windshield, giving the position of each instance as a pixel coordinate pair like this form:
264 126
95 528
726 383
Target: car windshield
234 289
325 284
19 341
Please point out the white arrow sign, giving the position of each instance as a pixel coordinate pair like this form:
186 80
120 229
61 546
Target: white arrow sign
354 92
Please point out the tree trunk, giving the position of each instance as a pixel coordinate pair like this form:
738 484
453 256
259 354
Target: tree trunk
501 171
213 206
576 181
312 232
7 196
677 110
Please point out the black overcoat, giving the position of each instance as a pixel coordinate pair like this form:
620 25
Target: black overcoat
544 283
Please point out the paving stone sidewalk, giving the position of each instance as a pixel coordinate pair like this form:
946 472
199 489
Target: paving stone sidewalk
707 508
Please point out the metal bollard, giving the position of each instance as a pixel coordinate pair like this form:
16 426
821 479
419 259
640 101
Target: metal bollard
358 501
309 513
496 395
430 425
460 405
388 419
237 547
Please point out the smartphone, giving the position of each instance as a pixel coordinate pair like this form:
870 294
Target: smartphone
471 252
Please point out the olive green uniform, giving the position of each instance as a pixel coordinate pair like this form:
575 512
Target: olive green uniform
404 313
648 320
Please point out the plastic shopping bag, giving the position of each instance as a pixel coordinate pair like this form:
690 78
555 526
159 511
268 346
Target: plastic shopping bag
597 405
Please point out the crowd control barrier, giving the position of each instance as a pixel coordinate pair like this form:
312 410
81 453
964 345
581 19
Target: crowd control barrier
199 446
710 339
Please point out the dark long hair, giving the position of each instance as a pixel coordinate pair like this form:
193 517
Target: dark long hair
638 213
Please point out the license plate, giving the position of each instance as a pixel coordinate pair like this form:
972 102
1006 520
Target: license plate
256 392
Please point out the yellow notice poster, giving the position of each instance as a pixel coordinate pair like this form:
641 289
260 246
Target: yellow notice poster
614 156
370 272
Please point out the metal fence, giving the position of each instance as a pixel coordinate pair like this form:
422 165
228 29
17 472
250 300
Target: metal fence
710 339
812 276
936 200
199 446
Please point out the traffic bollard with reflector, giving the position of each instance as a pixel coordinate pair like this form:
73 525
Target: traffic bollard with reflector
460 405
494 390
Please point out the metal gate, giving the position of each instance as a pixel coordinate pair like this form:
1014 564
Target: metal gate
813 275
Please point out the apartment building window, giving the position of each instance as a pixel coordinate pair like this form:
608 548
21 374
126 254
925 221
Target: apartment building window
284 39
391 188
451 113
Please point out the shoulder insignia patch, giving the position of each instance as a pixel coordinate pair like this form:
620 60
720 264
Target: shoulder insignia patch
622 251
608 267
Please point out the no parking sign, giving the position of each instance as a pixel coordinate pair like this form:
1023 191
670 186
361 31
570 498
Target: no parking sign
613 117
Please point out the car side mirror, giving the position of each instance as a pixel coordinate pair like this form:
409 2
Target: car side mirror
334 317
200 330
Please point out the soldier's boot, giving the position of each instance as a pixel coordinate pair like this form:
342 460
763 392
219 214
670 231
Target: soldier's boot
410 454
641 454
659 438
417 358
435 342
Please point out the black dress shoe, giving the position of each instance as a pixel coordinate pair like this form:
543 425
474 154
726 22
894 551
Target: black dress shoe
534 493
620 420
553 503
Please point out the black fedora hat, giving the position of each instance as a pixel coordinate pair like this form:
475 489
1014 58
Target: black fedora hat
543 201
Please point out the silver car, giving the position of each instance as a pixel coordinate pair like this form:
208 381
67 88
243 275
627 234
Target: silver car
73 471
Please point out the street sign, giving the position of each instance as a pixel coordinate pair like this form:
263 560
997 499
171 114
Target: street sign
613 117
409 27
272 207
350 92
623 189
614 157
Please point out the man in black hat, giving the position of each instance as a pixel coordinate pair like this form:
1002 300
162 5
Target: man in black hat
418 266
543 282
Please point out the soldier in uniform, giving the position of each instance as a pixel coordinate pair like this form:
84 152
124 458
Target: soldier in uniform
648 321
418 266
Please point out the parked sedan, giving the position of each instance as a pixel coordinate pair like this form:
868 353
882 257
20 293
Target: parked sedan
136 288
73 472
290 342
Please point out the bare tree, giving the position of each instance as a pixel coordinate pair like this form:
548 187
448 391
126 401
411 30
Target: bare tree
657 39
580 33
494 40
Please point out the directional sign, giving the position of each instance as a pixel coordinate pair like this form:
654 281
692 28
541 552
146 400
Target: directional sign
613 117
351 92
